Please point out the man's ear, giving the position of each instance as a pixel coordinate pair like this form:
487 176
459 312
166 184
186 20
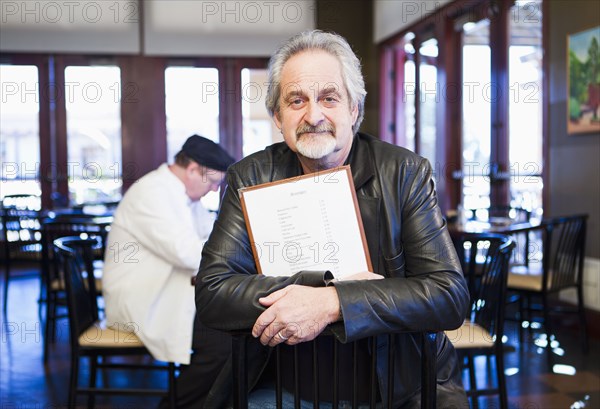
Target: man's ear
193 166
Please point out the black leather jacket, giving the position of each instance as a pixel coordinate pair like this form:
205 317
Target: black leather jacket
424 289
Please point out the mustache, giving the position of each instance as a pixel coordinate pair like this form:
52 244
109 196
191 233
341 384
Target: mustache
321 128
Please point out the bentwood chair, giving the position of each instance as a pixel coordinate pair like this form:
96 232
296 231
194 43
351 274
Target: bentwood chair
427 372
91 338
483 330
561 267
22 236
53 283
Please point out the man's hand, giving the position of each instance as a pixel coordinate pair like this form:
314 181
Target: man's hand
296 314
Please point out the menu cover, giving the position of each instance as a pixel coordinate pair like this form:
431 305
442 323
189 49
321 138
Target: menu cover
308 222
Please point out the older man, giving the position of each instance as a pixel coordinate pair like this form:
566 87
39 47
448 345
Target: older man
316 97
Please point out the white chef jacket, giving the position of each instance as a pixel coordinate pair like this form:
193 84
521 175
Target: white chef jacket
154 248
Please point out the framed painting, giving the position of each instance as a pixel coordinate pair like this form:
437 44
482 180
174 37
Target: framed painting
583 81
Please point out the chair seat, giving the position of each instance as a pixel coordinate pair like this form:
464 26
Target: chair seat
525 278
100 335
470 335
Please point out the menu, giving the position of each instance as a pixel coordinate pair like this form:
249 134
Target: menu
309 222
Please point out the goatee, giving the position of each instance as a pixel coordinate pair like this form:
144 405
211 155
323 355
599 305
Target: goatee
315 142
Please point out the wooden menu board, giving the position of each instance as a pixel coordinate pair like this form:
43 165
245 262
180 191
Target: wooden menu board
309 222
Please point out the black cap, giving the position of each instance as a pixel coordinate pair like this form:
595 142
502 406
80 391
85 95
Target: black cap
207 153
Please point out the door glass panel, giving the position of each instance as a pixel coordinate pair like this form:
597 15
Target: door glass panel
192 107
409 105
476 108
259 130
409 92
93 133
428 100
525 105
19 130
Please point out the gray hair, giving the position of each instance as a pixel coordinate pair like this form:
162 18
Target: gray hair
331 43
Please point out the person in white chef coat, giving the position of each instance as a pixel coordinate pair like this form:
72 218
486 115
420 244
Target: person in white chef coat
154 249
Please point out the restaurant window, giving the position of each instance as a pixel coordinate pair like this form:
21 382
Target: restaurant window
525 105
259 130
19 130
429 97
413 76
476 114
192 107
93 105
494 129
408 98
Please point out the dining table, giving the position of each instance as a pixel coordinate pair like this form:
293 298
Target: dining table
494 225
523 233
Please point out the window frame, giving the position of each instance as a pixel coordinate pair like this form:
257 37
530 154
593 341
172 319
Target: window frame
143 122
48 175
449 136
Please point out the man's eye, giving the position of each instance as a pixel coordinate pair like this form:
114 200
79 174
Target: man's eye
296 103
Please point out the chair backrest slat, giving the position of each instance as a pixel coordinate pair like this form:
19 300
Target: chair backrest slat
564 249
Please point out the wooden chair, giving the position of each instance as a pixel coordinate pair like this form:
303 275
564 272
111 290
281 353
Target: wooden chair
53 284
91 338
21 233
475 251
482 331
561 267
428 370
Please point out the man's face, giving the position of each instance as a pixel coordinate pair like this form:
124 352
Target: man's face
315 116
200 180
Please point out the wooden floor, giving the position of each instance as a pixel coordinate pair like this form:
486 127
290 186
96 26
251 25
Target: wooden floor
26 383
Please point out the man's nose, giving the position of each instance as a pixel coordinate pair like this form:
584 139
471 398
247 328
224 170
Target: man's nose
314 114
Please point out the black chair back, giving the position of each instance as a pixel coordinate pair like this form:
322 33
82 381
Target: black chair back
488 304
427 371
72 225
22 234
564 250
21 231
66 225
77 261
477 252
